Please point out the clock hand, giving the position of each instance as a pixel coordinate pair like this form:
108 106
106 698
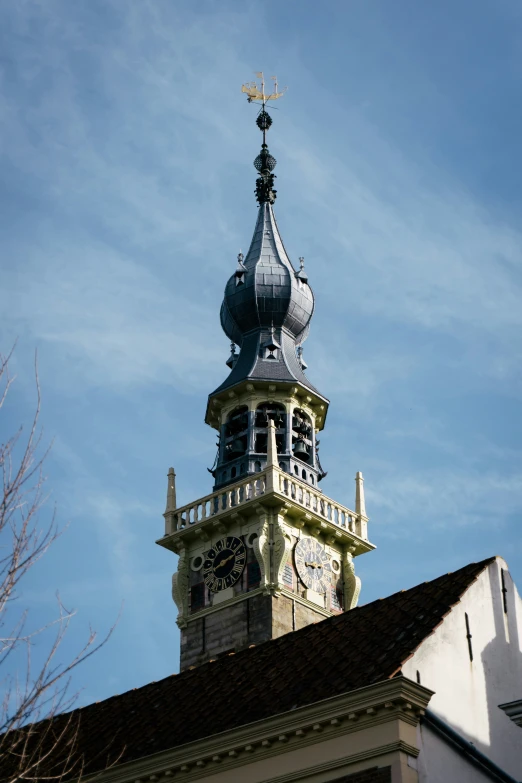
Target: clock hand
225 560
313 564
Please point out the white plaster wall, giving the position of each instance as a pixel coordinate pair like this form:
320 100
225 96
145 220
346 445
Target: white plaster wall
467 694
440 763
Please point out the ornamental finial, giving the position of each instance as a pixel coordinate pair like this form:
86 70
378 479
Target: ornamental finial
265 163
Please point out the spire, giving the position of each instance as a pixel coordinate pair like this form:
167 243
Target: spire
268 303
265 163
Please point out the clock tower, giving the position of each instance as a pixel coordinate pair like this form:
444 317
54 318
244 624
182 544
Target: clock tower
266 552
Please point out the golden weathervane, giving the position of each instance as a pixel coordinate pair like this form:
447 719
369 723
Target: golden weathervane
254 93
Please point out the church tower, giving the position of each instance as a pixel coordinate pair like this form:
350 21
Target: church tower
266 552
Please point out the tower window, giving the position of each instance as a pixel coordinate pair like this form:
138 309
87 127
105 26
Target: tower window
288 576
264 413
261 442
271 352
336 599
270 349
253 575
236 433
197 597
302 435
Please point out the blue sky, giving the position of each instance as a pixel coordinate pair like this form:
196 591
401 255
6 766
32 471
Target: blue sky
126 194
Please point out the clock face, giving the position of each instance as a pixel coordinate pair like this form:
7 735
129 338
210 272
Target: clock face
224 563
313 565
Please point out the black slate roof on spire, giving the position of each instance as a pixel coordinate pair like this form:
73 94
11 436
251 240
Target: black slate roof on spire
361 647
270 294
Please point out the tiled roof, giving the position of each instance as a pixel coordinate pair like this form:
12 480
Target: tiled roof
364 646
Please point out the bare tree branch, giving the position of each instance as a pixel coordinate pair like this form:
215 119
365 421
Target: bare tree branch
37 740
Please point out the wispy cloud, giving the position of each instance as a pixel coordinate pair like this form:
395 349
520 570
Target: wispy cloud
126 152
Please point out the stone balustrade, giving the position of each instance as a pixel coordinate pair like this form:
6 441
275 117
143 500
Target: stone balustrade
274 481
216 503
319 504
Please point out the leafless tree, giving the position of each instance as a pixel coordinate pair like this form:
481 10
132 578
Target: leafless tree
37 740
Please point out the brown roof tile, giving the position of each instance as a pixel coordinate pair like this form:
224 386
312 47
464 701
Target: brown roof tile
366 645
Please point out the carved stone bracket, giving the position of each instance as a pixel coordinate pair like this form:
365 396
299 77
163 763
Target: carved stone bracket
202 534
180 588
262 550
302 521
282 547
352 583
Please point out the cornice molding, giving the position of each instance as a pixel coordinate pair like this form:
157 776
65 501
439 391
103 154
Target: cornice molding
354 758
282 591
230 602
389 700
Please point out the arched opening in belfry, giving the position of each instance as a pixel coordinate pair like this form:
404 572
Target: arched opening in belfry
236 433
264 413
302 435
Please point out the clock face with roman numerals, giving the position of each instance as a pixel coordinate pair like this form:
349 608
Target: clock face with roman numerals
313 565
224 563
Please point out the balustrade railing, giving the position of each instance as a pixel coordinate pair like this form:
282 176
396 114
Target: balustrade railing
256 486
216 503
319 504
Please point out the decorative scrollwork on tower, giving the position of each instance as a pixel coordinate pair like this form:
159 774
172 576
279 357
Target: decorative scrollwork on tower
282 548
352 583
262 551
265 191
180 588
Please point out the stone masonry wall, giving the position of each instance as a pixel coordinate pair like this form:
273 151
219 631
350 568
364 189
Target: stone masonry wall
230 628
191 644
255 620
304 616
259 619
282 616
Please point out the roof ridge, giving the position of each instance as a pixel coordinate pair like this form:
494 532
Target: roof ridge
358 648
482 563
283 640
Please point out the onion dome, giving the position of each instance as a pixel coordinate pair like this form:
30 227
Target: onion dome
266 291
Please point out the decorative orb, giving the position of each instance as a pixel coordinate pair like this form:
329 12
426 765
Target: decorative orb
264 120
265 161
